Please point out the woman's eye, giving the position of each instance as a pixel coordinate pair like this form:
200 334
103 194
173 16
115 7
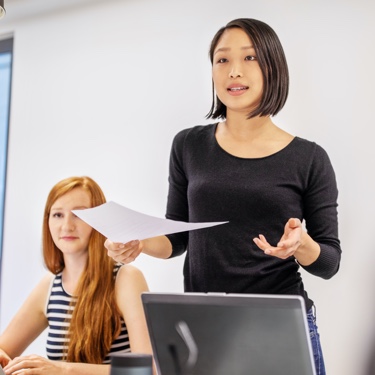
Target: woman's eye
250 58
222 60
57 215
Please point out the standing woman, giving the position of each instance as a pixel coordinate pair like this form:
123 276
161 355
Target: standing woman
90 304
245 169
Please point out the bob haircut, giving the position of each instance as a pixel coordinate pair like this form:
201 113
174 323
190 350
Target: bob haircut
272 62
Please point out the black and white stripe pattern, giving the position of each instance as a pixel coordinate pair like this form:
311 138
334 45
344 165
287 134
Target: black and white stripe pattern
59 313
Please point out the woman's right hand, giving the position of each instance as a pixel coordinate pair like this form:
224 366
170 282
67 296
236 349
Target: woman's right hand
123 253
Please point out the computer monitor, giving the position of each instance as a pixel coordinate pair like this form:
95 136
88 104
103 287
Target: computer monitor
228 334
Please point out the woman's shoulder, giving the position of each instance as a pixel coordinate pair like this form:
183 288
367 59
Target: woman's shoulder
193 137
195 131
130 284
40 294
310 156
303 142
47 280
307 146
129 273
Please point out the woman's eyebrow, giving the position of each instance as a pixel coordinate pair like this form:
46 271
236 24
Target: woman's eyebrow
80 208
226 49
74 208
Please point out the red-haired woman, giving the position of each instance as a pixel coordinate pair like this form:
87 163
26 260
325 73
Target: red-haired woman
90 304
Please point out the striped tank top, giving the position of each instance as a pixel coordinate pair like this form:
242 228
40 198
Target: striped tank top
59 313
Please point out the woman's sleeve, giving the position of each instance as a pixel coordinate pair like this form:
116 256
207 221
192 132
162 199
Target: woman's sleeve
177 204
321 217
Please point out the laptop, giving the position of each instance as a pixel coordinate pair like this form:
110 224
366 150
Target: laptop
228 334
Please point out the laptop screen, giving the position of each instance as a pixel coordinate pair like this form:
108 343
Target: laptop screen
228 334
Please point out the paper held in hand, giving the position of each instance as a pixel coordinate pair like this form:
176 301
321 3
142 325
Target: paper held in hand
121 224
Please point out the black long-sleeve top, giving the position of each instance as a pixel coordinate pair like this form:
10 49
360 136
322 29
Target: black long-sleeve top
257 196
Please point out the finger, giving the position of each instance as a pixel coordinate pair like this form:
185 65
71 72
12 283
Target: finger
130 256
258 242
128 246
262 240
27 363
263 244
134 254
122 257
295 222
286 251
113 246
125 258
129 253
4 362
284 254
117 249
13 367
291 244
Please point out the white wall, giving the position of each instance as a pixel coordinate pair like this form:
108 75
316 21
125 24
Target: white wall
101 90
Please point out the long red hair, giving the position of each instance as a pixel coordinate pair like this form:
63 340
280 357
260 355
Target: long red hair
96 319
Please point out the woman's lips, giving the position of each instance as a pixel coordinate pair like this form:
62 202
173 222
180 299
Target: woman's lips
237 90
68 238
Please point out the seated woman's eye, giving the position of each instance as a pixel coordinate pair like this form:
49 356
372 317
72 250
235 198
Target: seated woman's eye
250 58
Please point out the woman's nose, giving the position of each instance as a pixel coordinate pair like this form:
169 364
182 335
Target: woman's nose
235 71
68 224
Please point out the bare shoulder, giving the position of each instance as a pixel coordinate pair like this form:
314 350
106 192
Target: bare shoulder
129 271
130 284
45 283
129 275
41 291
37 299
47 279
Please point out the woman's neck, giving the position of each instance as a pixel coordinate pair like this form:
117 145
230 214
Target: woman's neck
71 274
251 138
241 128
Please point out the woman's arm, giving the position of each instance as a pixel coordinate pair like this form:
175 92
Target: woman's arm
130 284
28 323
316 248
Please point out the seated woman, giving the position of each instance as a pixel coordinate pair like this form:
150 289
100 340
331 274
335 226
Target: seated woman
90 304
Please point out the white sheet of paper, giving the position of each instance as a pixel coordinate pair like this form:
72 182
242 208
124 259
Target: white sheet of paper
121 224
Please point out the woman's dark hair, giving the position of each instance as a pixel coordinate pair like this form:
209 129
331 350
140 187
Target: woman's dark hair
272 62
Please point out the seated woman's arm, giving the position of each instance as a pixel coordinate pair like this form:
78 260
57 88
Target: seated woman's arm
28 323
130 284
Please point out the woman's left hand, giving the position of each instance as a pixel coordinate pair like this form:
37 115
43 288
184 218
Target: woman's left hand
33 365
288 244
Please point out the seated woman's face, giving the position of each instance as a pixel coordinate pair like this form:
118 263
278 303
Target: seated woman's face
69 233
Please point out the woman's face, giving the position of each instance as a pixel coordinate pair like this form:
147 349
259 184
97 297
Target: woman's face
236 73
69 233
